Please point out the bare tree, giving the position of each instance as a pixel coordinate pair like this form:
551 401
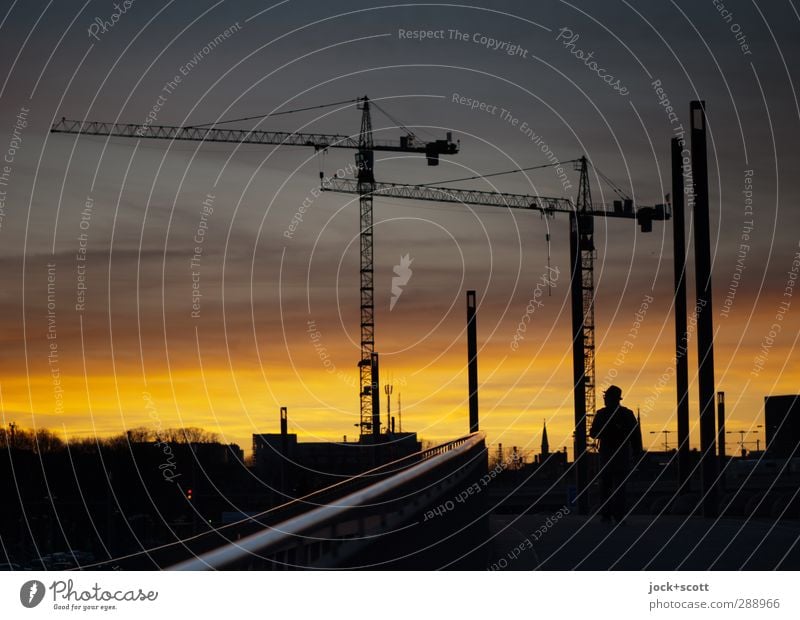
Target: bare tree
45 440
140 434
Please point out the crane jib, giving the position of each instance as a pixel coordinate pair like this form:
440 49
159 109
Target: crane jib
250 136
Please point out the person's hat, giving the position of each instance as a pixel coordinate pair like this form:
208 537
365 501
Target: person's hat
613 391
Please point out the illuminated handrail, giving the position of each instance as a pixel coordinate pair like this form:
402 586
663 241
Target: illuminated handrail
245 548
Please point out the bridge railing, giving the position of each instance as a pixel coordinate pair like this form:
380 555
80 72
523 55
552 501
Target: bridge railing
407 514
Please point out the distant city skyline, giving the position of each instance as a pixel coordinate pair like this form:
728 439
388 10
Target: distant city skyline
134 268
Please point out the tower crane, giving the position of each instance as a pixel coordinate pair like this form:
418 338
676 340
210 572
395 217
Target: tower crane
582 257
364 144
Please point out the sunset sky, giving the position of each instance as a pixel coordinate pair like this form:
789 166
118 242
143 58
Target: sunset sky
140 205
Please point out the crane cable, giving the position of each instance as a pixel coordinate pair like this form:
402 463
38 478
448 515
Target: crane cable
616 188
250 118
398 123
549 271
392 118
515 170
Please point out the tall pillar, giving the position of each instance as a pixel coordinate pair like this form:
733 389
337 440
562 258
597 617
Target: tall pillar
472 361
376 396
721 427
681 332
705 320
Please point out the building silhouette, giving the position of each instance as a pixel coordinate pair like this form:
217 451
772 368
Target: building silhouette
782 426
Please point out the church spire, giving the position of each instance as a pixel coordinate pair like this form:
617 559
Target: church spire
545 443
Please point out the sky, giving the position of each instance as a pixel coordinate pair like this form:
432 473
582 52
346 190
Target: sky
99 235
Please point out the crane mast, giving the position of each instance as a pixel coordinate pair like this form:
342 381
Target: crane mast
368 383
588 256
582 255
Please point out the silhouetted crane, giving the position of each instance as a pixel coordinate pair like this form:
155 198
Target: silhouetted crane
365 145
582 257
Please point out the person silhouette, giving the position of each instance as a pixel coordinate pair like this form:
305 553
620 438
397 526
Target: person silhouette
615 427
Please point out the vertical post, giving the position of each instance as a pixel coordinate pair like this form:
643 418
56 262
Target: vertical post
472 361
578 368
721 427
770 428
376 396
705 320
681 332
388 389
284 447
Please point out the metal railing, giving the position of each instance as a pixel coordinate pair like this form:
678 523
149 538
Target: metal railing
316 537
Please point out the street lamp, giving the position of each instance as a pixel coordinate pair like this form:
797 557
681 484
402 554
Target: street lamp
741 439
666 437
